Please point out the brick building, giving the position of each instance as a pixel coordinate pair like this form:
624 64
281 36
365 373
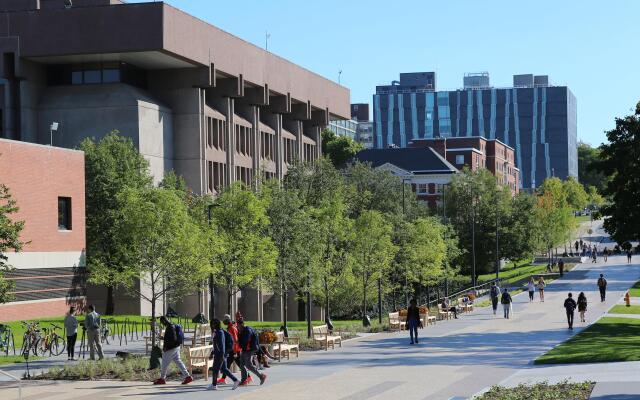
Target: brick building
48 185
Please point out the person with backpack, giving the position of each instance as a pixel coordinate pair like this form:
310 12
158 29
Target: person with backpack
495 296
541 285
232 347
173 338
582 306
602 287
221 342
506 303
570 306
248 341
92 328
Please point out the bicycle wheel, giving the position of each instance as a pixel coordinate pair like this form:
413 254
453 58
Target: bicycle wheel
57 346
40 347
12 344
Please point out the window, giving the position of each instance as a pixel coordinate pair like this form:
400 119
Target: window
64 213
439 188
422 188
460 159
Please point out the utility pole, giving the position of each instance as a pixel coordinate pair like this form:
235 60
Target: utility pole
267 35
212 304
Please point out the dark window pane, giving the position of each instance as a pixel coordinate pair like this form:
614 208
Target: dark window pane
92 76
76 78
110 75
64 213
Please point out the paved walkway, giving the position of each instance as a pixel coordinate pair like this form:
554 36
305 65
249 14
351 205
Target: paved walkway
455 358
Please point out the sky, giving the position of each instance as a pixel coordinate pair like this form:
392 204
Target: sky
593 47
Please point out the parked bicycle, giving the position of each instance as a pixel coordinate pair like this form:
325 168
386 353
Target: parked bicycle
105 330
51 342
30 338
7 344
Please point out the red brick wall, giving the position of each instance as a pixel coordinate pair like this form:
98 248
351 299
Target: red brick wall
37 175
38 309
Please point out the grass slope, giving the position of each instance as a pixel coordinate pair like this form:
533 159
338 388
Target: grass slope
608 340
622 309
635 290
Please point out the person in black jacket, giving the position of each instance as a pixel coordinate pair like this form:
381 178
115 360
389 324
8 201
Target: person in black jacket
602 287
248 341
506 303
171 353
495 297
219 354
413 320
570 307
582 306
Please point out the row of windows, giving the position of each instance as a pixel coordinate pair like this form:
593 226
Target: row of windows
430 188
215 133
243 140
95 73
216 176
268 145
244 175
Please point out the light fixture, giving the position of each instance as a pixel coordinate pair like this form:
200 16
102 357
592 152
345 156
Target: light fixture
53 128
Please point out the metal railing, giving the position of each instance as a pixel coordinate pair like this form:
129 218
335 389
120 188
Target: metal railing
480 290
8 375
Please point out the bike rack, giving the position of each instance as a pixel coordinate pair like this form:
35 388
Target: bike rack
8 375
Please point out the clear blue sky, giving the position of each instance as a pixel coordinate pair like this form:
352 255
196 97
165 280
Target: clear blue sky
591 46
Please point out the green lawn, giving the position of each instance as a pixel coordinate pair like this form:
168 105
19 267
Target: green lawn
635 290
608 340
583 218
622 309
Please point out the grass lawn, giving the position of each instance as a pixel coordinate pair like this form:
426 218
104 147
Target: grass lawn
635 290
583 218
609 339
622 309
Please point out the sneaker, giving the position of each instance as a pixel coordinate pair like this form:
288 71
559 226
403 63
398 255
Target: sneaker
212 387
159 381
263 378
221 381
235 385
411 342
416 341
187 380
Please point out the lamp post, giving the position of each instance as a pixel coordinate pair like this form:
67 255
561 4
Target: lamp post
212 304
52 128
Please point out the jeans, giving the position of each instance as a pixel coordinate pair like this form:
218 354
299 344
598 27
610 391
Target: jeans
570 319
93 339
220 364
247 365
494 303
506 308
169 356
230 359
412 324
71 345
603 293
531 292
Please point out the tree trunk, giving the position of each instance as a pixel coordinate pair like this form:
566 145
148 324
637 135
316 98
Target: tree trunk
326 300
109 310
285 310
229 296
364 297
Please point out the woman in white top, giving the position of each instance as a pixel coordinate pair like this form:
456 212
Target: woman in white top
532 289
541 285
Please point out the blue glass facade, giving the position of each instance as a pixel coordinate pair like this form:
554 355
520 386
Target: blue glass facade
539 122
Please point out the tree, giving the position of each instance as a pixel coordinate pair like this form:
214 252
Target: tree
339 149
9 239
246 251
620 160
595 199
372 249
518 228
577 197
426 251
588 173
163 247
553 214
111 165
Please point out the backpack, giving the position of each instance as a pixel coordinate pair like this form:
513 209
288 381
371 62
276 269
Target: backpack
179 334
494 291
255 341
228 342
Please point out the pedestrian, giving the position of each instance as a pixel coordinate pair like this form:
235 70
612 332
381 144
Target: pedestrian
495 296
233 354
561 268
576 246
582 306
92 328
172 338
594 256
71 328
248 340
570 306
541 285
532 288
446 306
602 287
605 254
413 320
629 256
506 302
219 354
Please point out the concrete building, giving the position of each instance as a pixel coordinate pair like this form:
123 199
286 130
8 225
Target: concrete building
47 184
535 118
193 98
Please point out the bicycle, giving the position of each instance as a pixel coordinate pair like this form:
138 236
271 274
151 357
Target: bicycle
7 343
51 341
105 330
30 338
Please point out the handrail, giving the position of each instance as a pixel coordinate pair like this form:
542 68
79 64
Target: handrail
15 379
480 289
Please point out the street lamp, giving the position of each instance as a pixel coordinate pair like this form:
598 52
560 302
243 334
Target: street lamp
212 304
52 128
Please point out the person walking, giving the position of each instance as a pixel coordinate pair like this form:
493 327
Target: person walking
248 340
561 268
495 296
506 302
92 328
172 340
413 320
602 287
582 306
605 254
629 254
219 354
532 288
541 285
576 245
570 306
233 354
71 329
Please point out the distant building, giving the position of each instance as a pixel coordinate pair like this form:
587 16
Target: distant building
344 127
536 119
360 112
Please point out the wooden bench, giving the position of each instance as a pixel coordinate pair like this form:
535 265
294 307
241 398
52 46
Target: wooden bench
198 357
283 346
442 314
322 335
395 321
201 335
427 319
465 305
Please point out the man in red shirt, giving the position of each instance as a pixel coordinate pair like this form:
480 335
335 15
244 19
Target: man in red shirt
234 355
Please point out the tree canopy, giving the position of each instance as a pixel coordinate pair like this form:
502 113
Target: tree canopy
9 239
339 149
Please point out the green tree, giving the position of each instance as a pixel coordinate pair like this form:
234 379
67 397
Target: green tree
111 165
371 249
164 248
595 199
554 215
247 253
9 239
588 173
518 228
426 251
577 197
620 160
339 149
